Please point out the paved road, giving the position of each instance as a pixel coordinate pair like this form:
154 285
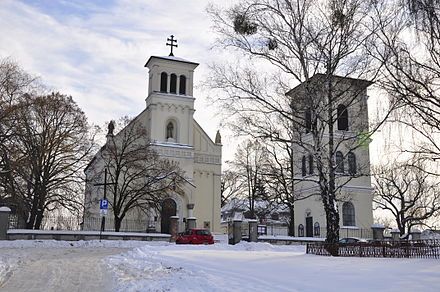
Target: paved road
60 269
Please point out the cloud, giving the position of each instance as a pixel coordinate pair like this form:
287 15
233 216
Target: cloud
96 50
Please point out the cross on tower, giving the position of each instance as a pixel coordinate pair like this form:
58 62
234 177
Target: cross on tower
172 41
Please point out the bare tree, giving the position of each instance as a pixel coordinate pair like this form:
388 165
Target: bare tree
14 83
44 142
231 186
139 177
52 144
305 42
409 49
250 164
409 193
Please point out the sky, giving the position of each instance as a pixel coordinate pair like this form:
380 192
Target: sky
96 50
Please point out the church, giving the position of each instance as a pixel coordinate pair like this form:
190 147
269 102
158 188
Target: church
175 135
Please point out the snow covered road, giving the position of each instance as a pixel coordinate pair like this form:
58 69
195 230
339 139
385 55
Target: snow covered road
161 266
60 269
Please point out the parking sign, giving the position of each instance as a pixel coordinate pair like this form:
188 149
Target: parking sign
103 205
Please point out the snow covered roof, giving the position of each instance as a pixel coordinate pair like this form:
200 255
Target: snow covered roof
171 58
241 204
171 144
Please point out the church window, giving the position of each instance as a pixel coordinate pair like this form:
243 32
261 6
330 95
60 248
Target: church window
301 230
316 229
348 215
173 83
163 82
339 162
351 163
311 164
342 118
303 166
308 120
170 131
182 87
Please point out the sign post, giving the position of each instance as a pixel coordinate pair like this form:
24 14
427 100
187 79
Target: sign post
103 204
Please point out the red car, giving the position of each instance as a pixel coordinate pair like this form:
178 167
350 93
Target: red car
195 236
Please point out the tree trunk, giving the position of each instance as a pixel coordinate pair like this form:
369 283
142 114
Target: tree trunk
291 231
118 222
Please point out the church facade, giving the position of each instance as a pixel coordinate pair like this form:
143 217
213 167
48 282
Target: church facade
175 135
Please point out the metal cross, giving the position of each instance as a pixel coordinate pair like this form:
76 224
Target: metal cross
172 41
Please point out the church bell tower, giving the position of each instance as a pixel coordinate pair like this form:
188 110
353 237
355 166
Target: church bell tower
170 101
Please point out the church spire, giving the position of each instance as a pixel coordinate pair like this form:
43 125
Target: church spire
171 44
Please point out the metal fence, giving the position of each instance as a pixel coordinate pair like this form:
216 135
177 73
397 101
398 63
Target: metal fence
321 232
90 223
127 225
385 249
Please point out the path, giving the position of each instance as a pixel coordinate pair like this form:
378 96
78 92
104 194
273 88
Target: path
60 269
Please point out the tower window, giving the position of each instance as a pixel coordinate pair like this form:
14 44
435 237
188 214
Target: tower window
316 229
311 164
303 166
182 87
339 162
308 120
351 163
173 83
348 215
301 230
342 118
163 82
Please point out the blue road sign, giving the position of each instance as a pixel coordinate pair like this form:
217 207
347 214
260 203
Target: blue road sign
103 204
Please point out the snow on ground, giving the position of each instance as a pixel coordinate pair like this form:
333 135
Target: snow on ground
161 266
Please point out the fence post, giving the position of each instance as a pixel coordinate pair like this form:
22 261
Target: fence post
395 234
191 223
174 222
253 230
236 226
415 234
4 222
378 231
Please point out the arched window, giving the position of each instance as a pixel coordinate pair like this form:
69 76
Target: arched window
303 166
348 215
342 118
351 163
310 164
173 83
163 82
301 230
170 131
182 87
308 120
316 229
339 162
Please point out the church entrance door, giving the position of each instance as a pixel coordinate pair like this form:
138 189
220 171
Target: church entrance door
309 226
169 209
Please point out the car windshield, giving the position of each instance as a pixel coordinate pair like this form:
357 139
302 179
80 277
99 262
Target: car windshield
203 232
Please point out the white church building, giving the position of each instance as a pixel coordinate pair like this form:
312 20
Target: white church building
174 134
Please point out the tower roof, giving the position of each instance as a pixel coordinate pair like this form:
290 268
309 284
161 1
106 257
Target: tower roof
170 58
321 78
